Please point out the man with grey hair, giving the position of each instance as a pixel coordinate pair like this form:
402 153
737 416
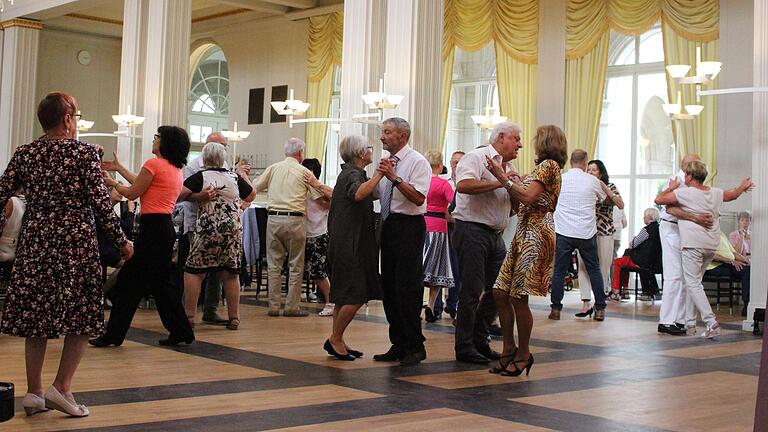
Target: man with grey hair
482 213
402 196
288 185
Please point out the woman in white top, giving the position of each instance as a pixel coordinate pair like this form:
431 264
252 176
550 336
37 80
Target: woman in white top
316 251
699 244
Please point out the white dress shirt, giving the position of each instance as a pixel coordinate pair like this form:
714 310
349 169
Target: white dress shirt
663 213
575 212
414 169
489 208
190 208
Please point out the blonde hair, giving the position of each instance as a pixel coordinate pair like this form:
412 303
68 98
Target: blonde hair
434 157
697 170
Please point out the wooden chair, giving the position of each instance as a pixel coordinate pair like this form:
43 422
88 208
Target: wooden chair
720 291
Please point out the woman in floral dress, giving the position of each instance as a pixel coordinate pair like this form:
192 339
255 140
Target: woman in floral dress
55 285
527 270
218 239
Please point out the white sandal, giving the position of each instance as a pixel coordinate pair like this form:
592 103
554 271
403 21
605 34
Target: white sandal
327 310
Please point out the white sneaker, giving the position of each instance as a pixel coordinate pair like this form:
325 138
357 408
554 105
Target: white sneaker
712 331
327 310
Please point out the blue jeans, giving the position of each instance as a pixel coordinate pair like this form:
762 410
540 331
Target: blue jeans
452 302
587 248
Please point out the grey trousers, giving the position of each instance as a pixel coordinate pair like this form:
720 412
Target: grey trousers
285 235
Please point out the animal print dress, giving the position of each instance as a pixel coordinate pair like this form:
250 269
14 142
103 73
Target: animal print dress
527 269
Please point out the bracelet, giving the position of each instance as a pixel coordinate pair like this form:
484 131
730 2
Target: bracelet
508 184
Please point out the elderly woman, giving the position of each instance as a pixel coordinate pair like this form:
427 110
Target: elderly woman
741 238
644 252
699 244
218 236
527 270
437 255
149 271
353 257
43 304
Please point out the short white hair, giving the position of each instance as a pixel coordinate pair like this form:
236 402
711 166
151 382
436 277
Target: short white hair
214 155
653 213
504 127
400 124
351 146
294 146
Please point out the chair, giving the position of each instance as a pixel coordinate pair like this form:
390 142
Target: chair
644 276
719 292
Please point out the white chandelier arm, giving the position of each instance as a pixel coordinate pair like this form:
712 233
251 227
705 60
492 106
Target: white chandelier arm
733 90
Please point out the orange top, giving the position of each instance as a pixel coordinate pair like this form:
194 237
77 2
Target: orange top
162 193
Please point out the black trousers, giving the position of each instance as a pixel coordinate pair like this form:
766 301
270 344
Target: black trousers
149 271
481 253
402 277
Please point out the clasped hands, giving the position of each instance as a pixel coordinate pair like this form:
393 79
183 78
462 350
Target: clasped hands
498 172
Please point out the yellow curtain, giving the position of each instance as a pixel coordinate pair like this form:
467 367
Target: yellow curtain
323 53
588 25
445 93
700 134
513 25
584 81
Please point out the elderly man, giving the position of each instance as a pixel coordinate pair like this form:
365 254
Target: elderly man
288 185
402 196
576 229
482 213
213 283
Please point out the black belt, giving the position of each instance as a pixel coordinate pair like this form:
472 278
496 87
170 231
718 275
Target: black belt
284 213
435 215
669 221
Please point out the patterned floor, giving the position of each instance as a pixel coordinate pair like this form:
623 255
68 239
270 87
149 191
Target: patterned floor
619 375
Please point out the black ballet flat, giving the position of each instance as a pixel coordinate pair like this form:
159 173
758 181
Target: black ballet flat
172 341
100 342
355 353
329 349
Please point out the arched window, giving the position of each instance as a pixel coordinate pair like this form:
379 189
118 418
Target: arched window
209 94
634 123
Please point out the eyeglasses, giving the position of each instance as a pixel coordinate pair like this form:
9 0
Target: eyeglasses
157 136
369 148
78 116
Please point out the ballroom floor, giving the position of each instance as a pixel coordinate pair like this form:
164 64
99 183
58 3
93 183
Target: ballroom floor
619 375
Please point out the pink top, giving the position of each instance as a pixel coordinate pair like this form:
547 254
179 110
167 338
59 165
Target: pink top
741 242
162 193
439 197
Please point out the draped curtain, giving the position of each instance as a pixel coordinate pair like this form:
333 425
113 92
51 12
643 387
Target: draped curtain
323 53
513 25
686 24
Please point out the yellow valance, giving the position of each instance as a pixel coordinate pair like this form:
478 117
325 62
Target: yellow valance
587 20
326 33
512 24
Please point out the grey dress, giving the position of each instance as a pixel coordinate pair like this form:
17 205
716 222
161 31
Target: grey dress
353 256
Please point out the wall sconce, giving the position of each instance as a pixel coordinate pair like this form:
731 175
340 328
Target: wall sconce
128 120
83 125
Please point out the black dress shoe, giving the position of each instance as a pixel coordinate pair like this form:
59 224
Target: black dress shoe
495 330
214 320
172 341
671 330
473 358
329 349
451 312
488 353
100 342
394 354
413 358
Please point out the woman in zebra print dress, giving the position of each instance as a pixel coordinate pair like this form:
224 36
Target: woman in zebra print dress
527 269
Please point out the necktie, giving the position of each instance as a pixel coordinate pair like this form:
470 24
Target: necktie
386 193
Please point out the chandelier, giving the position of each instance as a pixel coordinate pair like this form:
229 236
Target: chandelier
705 73
236 136
488 121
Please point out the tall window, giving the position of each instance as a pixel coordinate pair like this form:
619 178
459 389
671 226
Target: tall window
473 89
332 164
209 96
633 123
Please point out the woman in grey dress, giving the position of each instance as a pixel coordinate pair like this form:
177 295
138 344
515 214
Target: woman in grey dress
352 251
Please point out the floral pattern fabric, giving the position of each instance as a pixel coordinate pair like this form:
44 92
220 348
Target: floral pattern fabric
55 285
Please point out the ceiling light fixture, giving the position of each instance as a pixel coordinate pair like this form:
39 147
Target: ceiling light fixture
488 121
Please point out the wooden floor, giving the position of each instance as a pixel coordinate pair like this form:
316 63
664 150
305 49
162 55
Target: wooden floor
273 374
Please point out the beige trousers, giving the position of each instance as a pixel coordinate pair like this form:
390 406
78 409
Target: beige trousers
605 256
285 235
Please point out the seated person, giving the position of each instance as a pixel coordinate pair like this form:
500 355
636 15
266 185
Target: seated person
741 238
729 263
644 252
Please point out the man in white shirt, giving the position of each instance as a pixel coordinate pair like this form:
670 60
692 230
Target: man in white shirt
575 228
402 195
482 213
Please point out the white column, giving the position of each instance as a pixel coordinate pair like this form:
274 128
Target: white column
132 68
550 92
362 59
414 66
759 281
17 87
169 23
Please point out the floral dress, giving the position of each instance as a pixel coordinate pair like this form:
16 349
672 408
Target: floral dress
55 285
218 240
527 269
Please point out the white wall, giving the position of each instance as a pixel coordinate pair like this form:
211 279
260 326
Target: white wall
734 122
95 86
265 54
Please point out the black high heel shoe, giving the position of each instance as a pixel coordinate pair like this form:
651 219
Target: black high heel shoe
429 315
503 367
588 313
518 372
329 349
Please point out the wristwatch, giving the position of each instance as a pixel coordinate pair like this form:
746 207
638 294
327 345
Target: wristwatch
509 184
397 181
